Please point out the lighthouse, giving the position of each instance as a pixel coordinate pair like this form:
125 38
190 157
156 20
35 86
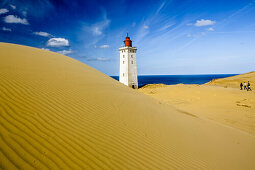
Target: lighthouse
128 67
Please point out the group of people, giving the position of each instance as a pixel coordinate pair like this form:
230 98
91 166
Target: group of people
245 86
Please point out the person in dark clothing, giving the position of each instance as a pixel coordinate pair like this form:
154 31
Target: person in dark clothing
241 86
248 86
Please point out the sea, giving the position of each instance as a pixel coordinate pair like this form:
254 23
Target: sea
177 79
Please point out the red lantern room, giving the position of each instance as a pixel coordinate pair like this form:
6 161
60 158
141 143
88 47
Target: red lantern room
128 42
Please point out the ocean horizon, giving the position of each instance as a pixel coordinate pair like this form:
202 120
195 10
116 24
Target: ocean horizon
177 79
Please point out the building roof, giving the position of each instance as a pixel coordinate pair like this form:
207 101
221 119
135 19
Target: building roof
128 42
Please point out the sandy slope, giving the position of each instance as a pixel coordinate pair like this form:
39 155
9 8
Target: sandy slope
229 106
235 81
59 113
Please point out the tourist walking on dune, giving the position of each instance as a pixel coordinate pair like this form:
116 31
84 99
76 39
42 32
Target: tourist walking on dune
249 86
241 86
244 86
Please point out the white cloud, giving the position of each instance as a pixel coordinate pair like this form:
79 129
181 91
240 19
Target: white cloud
195 36
202 22
6 29
97 29
104 46
58 42
15 20
64 52
43 34
203 33
3 11
45 49
13 7
24 13
165 27
145 26
160 8
210 29
103 59
189 35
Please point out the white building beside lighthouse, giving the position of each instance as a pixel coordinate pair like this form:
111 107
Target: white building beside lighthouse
128 67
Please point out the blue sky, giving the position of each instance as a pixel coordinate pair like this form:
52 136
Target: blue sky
172 36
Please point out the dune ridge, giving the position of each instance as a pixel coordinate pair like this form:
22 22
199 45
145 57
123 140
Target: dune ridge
58 113
234 81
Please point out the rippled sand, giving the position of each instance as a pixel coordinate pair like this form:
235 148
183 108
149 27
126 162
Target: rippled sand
58 113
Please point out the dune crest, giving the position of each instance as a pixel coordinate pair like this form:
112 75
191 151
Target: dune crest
234 81
58 113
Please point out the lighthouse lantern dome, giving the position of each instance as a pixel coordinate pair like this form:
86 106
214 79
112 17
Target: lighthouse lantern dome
128 42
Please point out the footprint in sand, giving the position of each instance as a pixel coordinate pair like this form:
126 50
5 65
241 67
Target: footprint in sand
244 105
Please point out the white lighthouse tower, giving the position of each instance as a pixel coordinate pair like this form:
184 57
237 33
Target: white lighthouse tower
128 68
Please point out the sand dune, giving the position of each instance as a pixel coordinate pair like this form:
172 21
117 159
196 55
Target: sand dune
229 106
235 81
57 113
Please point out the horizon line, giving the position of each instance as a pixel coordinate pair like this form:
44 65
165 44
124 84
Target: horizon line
184 74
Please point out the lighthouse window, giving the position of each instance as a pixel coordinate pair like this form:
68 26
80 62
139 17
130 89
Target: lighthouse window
123 62
123 74
123 56
131 56
132 62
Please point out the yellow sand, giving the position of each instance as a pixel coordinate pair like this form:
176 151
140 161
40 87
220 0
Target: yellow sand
57 113
235 81
229 106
